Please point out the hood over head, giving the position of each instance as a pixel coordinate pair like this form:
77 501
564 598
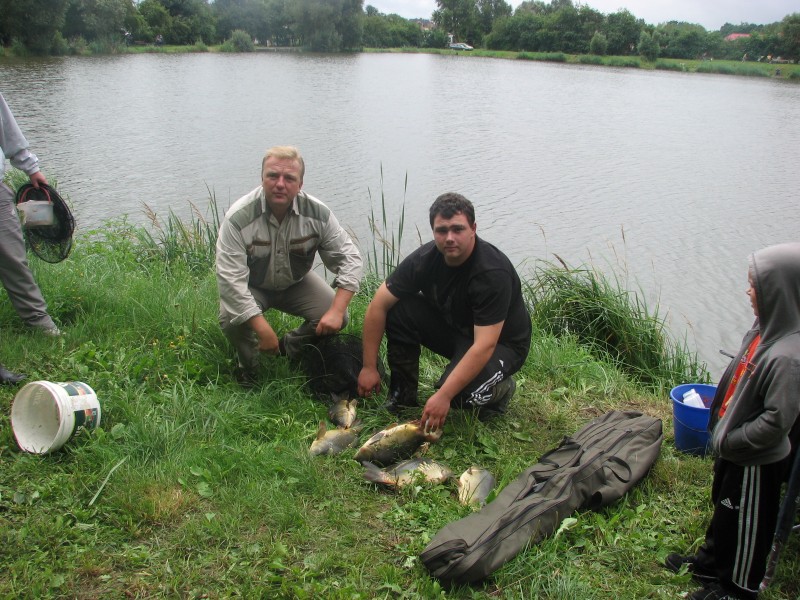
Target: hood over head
776 278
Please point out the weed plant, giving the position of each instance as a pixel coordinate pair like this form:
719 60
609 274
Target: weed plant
590 59
195 488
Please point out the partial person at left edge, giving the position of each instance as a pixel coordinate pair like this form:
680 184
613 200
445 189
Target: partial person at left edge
22 289
266 249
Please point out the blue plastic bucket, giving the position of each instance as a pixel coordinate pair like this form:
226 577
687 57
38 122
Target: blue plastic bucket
691 424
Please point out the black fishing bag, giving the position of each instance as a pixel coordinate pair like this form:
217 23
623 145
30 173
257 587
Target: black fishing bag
591 469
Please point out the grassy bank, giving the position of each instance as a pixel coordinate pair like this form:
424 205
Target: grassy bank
195 488
720 67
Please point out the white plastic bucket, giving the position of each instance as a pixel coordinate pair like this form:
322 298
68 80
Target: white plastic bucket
36 213
45 415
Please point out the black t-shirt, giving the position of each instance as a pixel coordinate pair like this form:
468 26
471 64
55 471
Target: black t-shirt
485 290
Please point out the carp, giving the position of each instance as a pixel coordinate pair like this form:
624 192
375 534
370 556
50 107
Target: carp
475 485
343 410
408 471
333 441
397 442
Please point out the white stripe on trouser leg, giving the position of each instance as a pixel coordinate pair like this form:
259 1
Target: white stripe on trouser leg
748 528
483 393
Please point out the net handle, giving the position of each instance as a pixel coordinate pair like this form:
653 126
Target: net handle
24 195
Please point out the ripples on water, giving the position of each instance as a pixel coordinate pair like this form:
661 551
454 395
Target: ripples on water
668 178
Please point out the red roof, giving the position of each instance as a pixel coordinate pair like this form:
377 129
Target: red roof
736 36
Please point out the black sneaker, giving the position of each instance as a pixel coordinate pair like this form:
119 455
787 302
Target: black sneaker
714 591
504 392
246 378
675 561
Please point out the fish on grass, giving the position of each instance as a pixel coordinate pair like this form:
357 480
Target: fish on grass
408 471
395 443
475 485
333 441
343 410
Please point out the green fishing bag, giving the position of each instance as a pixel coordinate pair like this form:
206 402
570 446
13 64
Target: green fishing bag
591 469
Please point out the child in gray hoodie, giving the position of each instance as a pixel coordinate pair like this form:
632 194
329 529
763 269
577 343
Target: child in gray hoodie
752 418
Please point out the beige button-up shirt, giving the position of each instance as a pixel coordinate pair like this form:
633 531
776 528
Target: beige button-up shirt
254 250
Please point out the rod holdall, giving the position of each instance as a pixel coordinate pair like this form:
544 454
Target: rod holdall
590 469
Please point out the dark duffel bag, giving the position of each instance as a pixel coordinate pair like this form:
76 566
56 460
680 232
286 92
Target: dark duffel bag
591 469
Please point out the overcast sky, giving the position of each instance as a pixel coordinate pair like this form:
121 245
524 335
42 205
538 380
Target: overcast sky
711 14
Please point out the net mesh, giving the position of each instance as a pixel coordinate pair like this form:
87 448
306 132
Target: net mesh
332 365
51 243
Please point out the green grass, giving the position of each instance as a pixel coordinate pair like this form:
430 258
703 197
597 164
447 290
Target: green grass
195 488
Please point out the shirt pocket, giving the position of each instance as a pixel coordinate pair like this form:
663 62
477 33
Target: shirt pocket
302 252
259 255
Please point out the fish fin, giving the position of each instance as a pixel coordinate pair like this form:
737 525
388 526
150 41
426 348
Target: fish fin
422 450
339 397
374 474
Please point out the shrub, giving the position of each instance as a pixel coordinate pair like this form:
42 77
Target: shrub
240 41
590 59
599 44
60 46
648 47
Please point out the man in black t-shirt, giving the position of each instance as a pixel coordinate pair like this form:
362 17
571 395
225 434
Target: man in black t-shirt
460 297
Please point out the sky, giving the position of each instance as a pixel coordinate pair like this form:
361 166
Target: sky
711 14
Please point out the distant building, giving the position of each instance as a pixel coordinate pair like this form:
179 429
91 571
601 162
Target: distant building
736 36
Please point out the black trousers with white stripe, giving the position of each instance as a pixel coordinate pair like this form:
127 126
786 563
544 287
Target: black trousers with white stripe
739 537
412 323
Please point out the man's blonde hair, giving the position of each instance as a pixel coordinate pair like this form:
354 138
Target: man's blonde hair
285 152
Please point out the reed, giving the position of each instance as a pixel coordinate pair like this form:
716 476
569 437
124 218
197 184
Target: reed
612 322
387 237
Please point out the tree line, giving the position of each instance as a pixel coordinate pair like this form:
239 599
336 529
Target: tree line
63 26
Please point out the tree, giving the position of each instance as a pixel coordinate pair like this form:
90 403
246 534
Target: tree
490 11
460 18
622 31
599 44
790 31
328 25
95 19
34 23
648 47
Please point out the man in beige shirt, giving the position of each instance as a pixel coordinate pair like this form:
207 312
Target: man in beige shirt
266 249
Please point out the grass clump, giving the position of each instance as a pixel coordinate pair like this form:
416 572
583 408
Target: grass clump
543 56
624 61
613 323
590 59
710 66
670 65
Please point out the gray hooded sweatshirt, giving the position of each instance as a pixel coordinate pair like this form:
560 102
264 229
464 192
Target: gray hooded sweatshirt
766 403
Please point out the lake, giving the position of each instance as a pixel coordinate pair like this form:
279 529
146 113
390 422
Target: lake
669 180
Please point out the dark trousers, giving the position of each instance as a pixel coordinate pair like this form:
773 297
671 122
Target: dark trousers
739 537
413 323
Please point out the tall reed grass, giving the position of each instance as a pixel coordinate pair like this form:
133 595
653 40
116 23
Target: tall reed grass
614 323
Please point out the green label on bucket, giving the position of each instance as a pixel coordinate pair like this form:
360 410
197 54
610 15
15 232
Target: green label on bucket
76 388
86 418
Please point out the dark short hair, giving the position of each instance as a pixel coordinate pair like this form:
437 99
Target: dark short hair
450 204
